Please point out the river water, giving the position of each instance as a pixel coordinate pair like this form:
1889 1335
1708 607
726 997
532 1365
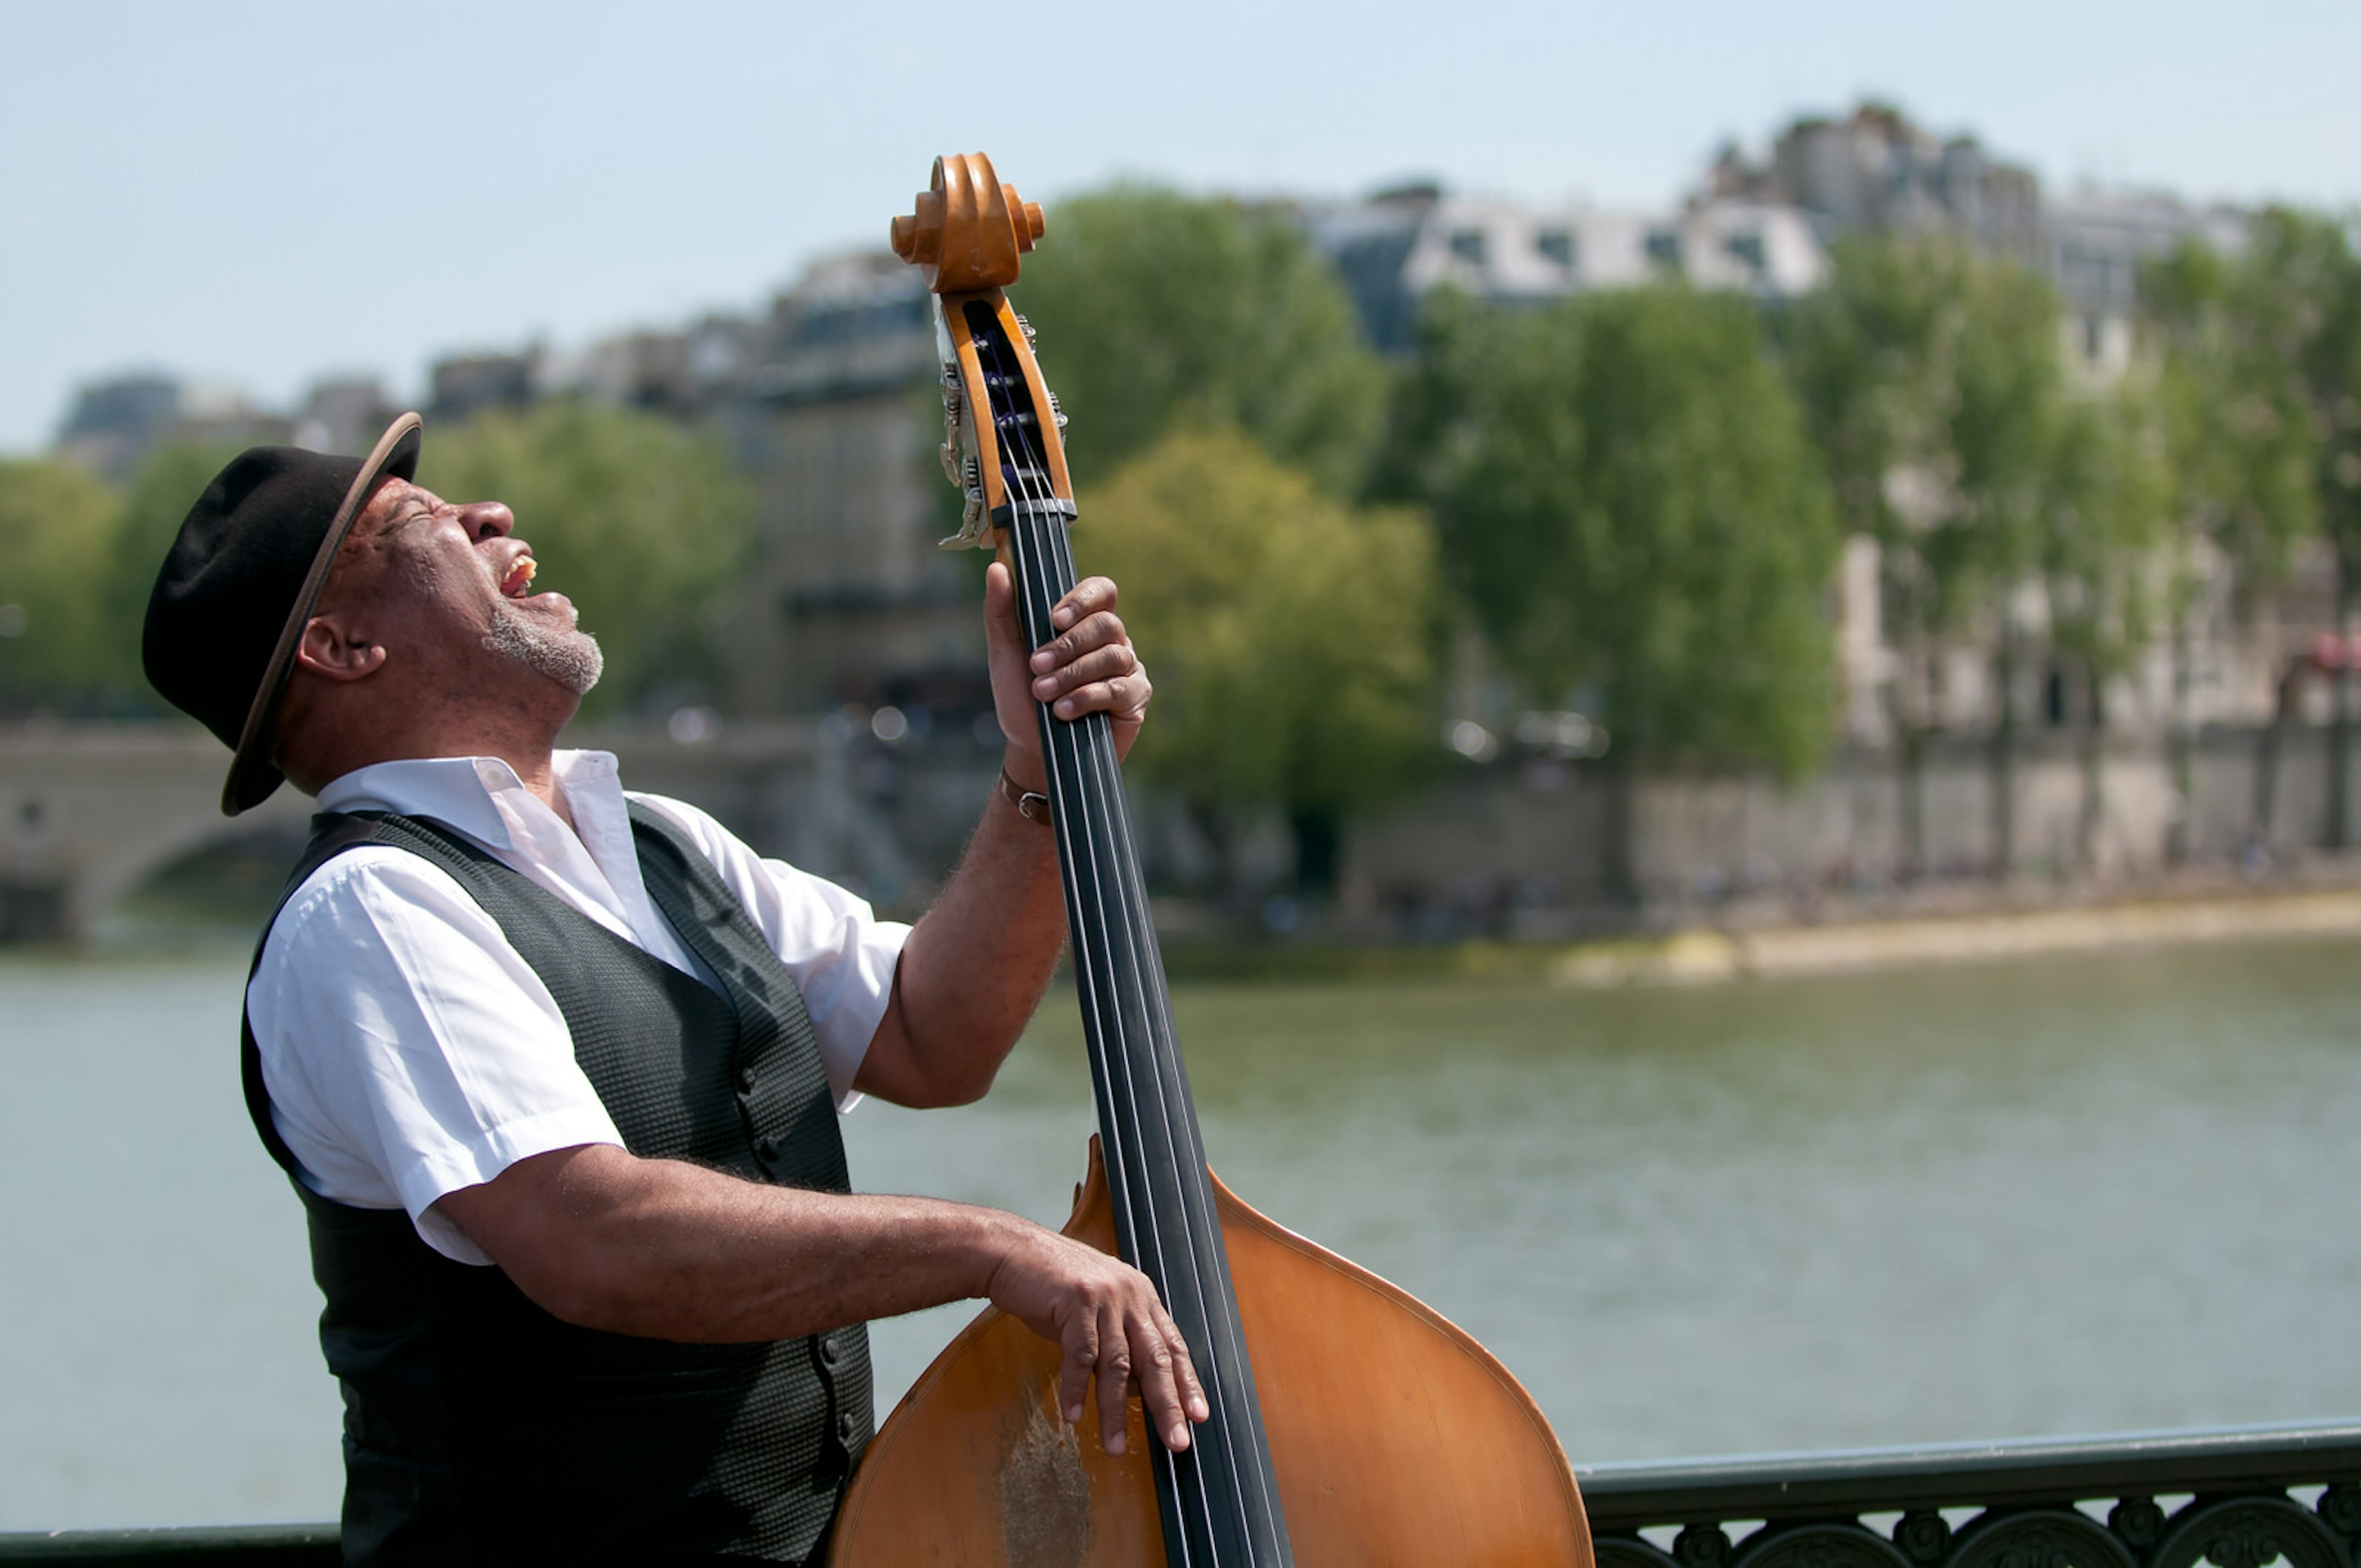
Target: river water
2007 1201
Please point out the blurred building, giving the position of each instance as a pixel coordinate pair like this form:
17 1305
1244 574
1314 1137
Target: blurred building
113 423
2094 243
837 418
685 374
1399 245
344 413
465 385
1877 170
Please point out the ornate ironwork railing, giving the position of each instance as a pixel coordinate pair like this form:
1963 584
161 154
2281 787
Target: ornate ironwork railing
2239 1498
2243 1497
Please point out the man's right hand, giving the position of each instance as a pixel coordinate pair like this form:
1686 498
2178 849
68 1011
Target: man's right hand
1104 1314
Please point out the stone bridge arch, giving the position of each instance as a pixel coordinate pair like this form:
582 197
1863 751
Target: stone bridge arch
89 812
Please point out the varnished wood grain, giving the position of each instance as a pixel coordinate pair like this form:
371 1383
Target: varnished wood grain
1397 1437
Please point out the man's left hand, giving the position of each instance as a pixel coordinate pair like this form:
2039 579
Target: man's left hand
1088 667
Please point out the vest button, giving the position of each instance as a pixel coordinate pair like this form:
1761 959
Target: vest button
745 1077
767 1146
846 1426
829 1353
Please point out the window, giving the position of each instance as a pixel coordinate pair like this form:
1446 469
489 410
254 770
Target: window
1557 245
1746 246
1468 245
1664 248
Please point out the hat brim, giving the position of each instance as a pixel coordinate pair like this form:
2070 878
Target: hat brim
252 775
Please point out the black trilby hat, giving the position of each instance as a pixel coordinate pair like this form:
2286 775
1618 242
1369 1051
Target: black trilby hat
242 578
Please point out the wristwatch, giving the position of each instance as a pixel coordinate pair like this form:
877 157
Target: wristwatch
1031 805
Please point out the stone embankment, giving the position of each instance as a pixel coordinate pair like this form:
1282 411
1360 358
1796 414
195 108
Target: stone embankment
1706 954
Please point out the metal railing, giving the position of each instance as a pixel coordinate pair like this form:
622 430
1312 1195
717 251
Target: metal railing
231 1546
2238 1497
2134 1500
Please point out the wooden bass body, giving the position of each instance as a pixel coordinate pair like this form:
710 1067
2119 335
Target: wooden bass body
1395 1438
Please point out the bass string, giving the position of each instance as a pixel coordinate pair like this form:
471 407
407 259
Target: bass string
1021 465
1098 775
1030 481
1181 1134
1181 1131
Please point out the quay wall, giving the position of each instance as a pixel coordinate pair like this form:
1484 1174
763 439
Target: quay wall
1535 848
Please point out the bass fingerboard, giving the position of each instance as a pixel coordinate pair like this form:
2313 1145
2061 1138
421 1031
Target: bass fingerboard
1219 1498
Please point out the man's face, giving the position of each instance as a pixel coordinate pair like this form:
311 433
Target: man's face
447 588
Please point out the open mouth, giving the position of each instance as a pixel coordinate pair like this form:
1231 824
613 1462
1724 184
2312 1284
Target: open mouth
520 577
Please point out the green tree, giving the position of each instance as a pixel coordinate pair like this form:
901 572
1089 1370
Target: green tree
643 524
1628 504
1937 396
1157 309
77 558
166 486
60 648
2240 448
1291 636
2101 522
2304 278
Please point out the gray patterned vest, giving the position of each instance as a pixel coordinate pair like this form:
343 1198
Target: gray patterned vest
480 1428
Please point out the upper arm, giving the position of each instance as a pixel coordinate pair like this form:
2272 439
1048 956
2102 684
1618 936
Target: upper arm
890 1068
542 1218
407 1048
844 959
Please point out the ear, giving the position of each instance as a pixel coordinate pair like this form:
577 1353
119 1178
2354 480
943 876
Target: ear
328 651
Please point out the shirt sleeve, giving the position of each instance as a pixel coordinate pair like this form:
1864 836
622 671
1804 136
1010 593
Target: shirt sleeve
409 1050
841 956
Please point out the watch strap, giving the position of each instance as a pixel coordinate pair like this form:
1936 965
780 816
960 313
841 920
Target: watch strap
1031 805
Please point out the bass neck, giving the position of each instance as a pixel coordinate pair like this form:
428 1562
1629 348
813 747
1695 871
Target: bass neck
1219 1496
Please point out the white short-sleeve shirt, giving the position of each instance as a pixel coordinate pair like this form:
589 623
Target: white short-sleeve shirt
410 1051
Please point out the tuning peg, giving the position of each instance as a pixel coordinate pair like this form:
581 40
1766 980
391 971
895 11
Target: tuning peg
1026 328
1057 413
971 476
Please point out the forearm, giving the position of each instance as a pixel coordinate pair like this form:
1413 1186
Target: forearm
668 1250
974 970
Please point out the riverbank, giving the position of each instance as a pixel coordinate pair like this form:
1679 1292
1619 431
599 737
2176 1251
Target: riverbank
1704 954
1937 928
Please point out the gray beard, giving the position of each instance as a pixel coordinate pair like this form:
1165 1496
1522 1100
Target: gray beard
570 658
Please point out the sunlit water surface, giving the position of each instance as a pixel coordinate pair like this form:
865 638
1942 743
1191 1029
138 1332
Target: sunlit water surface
2006 1200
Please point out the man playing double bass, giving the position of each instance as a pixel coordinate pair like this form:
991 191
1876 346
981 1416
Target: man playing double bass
555 1068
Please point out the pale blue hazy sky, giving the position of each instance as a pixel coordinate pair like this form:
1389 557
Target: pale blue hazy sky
251 193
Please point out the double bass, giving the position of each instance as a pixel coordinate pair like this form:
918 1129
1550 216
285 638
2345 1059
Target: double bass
1351 1424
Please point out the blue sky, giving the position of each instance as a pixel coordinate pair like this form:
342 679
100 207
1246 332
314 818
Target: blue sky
252 194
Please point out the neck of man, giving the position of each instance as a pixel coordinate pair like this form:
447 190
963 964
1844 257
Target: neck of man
341 736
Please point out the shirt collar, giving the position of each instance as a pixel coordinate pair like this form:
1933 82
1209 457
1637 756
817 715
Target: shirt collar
463 791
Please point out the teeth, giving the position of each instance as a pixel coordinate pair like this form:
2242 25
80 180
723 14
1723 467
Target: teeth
520 575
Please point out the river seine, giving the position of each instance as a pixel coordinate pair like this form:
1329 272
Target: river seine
2007 1201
